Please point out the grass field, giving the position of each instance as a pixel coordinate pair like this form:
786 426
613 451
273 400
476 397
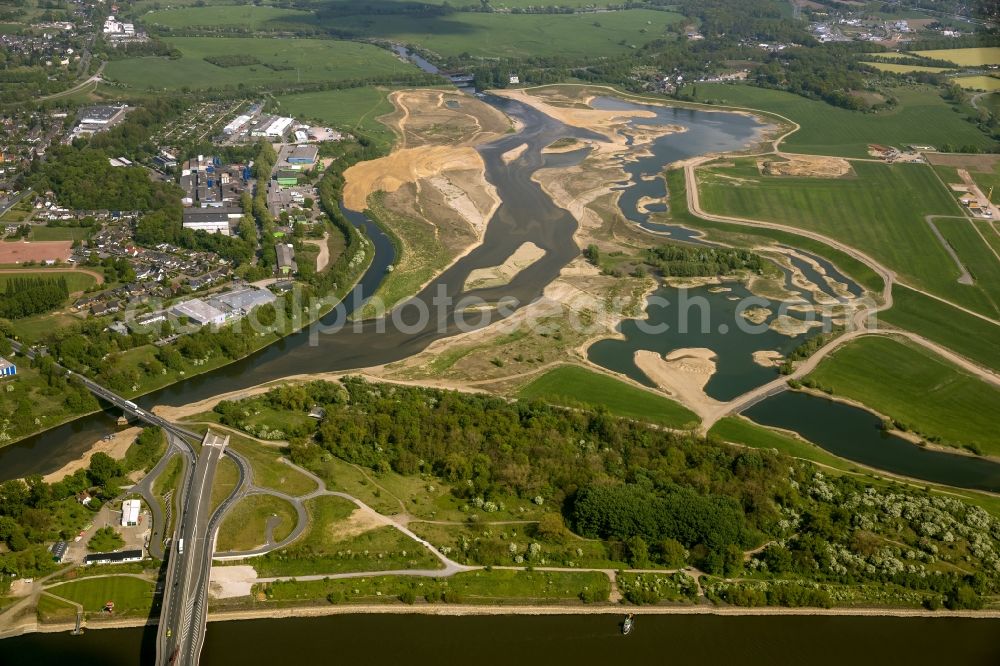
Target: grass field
880 211
969 336
352 109
379 549
269 471
987 83
922 117
131 595
746 236
473 587
573 386
75 280
738 430
976 255
973 57
914 387
227 475
246 17
904 69
244 527
283 60
59 233
519 35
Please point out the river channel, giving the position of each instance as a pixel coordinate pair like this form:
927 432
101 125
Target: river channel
684 640
528 214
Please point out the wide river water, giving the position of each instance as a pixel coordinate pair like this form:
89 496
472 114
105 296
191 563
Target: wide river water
566 640
526 214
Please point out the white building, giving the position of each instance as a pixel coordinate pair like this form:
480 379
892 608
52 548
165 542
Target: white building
130 512
199 312
235 125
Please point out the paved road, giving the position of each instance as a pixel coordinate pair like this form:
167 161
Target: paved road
181 630
10 202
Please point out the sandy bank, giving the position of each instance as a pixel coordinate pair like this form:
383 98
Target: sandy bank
513 153
114 447
525 255
768 358
683 373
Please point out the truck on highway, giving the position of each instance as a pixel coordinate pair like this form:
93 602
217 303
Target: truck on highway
180 546
131 405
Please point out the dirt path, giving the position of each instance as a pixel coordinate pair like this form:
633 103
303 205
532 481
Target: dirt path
323 258
964 276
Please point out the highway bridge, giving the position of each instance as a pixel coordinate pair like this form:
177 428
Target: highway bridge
188 558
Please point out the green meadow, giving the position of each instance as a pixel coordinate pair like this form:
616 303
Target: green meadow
970 336
353 109
573 386
916 388
880 210
922 117
477 34
976 255
281 61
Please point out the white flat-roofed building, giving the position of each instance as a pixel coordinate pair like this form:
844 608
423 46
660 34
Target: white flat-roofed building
200 312
130 512
236 124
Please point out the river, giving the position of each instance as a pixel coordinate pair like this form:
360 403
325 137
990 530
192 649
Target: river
694 640
526 214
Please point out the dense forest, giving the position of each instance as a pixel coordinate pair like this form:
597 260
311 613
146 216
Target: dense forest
26 296
658 497
674 260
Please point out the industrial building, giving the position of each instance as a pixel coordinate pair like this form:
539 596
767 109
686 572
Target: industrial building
297 157
287 178
199 312
242 301
207 183
272 127
7 369
58 551
130 512
286 258
97 119
117 557
212 220
236 124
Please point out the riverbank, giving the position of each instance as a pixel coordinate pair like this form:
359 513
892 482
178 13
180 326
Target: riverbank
457 610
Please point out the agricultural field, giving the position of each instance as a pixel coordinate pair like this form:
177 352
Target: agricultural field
904 69
251 18
970 336
880 211
573 386
59 233
282 60
518 35
353 109
916 388
922 117
976 255
986 83
974 57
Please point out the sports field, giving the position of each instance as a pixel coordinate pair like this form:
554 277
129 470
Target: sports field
354 108
974 57
75 280
573 386
880 211
915 387
282 61
905 69
986 83
922 117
